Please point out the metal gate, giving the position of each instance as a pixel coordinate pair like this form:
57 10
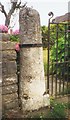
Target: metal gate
58 65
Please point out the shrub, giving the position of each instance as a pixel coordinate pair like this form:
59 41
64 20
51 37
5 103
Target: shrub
63 55
15 36
3 29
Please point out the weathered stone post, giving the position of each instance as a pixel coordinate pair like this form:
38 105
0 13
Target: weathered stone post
32 83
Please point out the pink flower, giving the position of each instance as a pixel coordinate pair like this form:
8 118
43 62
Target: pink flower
3 28
17 48
16 32
68 30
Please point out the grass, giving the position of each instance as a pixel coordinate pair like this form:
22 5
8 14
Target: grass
45 56
57 110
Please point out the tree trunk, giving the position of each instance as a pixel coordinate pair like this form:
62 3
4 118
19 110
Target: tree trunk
7 21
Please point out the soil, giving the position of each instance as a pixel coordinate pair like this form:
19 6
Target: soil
32 114
36 113
17 113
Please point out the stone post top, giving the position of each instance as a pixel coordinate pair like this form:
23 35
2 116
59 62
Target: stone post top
30 30
29 11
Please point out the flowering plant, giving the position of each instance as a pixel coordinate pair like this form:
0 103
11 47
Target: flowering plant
3 29
16 32
15 36
17 47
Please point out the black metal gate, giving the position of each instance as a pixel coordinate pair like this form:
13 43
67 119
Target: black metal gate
58 65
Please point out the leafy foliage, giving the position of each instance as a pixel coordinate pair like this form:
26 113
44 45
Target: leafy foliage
57 110
14 38
62 50
59 52
53 29
44 31
62 56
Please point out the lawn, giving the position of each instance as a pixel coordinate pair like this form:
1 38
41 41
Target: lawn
45 55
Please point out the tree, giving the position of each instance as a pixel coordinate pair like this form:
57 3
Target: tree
14 5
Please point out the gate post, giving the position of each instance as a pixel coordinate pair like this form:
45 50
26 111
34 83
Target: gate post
48 61
32 83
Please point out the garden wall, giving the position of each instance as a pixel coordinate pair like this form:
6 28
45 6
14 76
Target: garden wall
9 77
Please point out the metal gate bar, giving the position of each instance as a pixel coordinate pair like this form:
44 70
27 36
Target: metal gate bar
63 64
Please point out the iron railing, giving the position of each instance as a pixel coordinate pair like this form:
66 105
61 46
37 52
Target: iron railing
58 69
